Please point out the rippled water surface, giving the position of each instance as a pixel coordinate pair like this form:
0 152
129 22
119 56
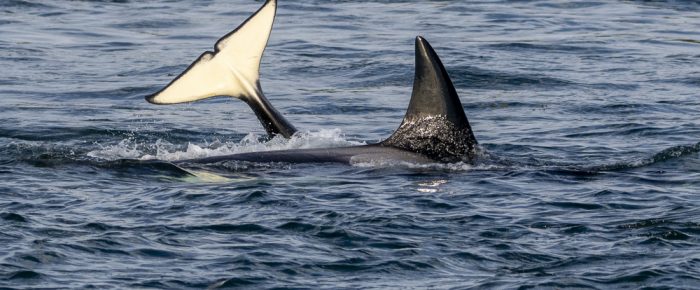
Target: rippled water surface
587 113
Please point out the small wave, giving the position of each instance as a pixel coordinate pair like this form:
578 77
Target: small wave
158 23
24 275
552 48
665 155
672 5
233 228
668 154
475 78
332 109
4 22
607 109
23 4
155 253
12 217
237 282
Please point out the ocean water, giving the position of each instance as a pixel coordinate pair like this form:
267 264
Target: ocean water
587 113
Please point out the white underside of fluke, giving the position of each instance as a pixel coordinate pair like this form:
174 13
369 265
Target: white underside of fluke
231 70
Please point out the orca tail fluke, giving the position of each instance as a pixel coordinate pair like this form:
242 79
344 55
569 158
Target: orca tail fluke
232 69
435 124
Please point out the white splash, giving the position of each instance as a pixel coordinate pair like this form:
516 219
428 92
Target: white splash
164 150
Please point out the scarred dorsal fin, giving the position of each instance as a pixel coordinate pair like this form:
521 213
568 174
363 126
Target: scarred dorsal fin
435 124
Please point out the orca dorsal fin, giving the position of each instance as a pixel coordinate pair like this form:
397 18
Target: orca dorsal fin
435 124
232 69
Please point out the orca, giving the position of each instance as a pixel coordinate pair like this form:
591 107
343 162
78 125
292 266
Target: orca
434 129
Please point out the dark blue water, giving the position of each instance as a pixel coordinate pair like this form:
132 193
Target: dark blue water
587 113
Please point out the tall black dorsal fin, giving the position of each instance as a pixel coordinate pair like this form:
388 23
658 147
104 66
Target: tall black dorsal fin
435 124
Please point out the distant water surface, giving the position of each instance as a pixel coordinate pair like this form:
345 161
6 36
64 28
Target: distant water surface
587 113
